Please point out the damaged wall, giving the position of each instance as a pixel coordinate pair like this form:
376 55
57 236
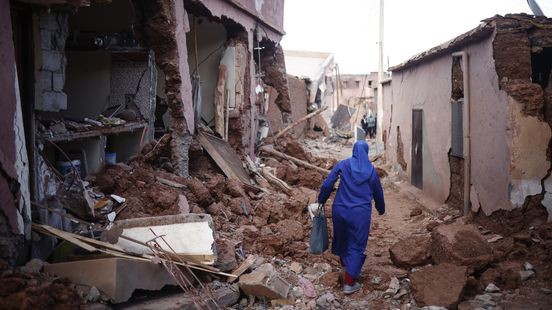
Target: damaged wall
162 26
509 137
51 60
14 172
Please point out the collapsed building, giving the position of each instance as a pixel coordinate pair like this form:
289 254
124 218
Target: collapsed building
89 83
310 84
468 122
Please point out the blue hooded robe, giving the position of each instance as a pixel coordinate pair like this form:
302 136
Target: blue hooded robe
351 213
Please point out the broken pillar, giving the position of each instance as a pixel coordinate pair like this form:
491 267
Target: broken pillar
162 26
264 282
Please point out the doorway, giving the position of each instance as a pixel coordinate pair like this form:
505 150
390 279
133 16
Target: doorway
417 147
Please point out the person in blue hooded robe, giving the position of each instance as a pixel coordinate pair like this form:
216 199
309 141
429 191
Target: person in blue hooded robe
352 210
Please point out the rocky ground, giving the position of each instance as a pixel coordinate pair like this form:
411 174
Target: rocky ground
417 256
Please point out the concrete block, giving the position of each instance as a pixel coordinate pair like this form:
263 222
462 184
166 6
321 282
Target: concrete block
116 277
46 78
53 101
264 282
46 39
58 81
53 61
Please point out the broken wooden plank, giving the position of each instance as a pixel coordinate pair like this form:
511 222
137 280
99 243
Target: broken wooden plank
220 100
274 180
63 235
169 182
248 262
303 163
224 156
299 121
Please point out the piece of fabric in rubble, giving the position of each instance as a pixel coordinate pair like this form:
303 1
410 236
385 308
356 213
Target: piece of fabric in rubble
352 206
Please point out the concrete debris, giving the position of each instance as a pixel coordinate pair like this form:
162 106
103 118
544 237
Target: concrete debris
308 288
393 289
494 238
325 300
528 266
93 295
296 267
526 274
33 266
264 282
491 288
441 285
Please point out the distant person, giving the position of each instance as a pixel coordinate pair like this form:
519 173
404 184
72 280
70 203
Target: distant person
371 124
352 210
364 125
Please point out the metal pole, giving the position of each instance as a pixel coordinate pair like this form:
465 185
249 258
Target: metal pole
379 106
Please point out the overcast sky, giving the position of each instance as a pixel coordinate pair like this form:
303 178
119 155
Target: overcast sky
349 28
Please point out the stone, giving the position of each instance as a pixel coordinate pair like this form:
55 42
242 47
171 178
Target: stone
296 267
415 212
400 293
411 252
308 288
526 274
34 266
470 305
491 288
460 244
296 292
528 266
226 255
330 279
264 282
93 295
325 299
440 285
394 286
290 230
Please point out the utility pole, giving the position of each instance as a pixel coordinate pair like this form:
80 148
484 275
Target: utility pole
379 103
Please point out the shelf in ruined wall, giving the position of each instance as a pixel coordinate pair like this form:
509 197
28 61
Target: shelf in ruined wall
96 132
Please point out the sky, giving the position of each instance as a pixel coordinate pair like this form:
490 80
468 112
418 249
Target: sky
349 28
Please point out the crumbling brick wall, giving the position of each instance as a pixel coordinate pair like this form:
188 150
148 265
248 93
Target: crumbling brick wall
518 39
162 26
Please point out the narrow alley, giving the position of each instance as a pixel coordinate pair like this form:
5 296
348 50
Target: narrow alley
179 154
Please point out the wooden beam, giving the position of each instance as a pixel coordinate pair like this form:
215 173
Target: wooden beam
248 262
219 101
293 159
299 121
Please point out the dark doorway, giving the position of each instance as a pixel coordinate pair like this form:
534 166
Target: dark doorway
417 146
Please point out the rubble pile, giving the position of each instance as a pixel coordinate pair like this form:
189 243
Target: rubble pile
27 288
460 264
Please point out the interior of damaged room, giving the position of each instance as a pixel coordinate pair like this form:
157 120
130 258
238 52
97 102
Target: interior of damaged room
250 154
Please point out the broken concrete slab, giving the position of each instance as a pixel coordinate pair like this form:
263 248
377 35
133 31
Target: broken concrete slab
264 282
116 277
174 228
441 285
410 252
460 244
225 296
